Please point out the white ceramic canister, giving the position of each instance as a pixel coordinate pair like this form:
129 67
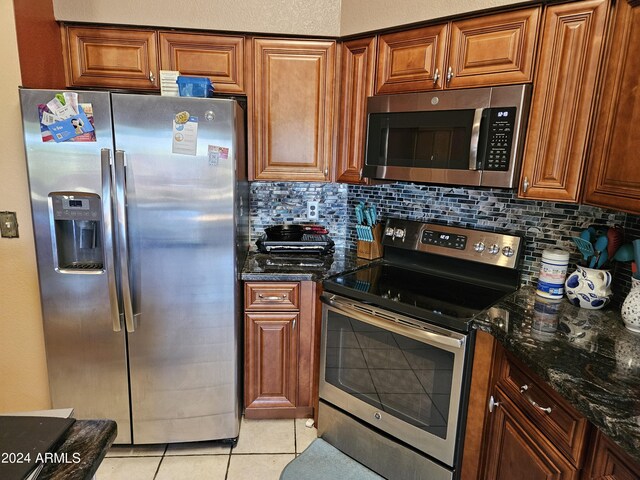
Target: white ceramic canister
553 271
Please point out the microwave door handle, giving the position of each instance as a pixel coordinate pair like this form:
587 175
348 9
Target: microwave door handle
107 231
475 139
121 209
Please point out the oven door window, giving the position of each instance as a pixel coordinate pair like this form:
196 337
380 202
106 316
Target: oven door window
420 139
405 378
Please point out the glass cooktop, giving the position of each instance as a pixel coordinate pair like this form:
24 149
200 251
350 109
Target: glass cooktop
431 297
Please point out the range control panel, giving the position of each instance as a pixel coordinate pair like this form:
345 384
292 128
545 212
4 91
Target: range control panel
500 138
492 248
444 239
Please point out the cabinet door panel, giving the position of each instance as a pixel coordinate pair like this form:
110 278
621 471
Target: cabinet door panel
562 104
493 50
411 61
293 109
271 360
116 58
357 83
517 450
613 179
219 57
609 462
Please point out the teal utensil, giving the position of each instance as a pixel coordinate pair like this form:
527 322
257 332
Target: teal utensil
602 259
600 246
586 235
584 246
624 253
636 251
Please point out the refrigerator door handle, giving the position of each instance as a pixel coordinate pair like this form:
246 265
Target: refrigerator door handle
107 220
121 209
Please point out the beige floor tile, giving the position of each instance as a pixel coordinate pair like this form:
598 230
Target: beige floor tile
138 468
265 436
198 448
263 467
194 467
137 451
304 435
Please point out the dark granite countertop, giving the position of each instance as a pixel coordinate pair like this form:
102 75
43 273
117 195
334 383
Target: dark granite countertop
297 267
90 440
591 359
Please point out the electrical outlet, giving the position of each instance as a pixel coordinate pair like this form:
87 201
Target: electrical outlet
313 210
8 224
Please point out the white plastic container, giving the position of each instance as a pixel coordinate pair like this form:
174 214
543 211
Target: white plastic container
553 271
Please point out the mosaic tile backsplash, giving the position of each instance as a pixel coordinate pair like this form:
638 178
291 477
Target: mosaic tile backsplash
542 224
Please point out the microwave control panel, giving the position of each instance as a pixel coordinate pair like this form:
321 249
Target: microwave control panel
500 138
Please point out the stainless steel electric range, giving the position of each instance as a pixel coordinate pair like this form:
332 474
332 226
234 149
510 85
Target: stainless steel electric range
397 345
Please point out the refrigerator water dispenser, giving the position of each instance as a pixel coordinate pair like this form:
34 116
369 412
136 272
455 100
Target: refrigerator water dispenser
76 232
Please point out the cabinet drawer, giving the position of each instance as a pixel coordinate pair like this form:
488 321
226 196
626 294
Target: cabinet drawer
272 296
555 418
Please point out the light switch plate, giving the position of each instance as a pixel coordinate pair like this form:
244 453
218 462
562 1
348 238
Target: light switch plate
8 225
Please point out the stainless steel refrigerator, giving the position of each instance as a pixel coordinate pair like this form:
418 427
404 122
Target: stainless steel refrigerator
141 229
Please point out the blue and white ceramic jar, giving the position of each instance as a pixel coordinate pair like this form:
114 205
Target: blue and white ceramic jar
589 287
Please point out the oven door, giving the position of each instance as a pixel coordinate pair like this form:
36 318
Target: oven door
397 374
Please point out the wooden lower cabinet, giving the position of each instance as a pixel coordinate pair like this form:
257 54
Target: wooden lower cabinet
608 462
517 449
271 341
280 349
530 432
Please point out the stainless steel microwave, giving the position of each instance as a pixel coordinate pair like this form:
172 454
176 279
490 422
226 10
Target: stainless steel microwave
471 137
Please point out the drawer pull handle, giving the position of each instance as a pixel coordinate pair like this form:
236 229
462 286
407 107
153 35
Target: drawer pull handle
523 389
274 298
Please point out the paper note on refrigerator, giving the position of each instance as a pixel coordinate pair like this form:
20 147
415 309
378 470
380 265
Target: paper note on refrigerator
185 137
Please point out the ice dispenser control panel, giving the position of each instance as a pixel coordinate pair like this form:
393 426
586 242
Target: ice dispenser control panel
77 228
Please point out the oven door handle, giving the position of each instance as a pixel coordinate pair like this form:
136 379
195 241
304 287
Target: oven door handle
398 324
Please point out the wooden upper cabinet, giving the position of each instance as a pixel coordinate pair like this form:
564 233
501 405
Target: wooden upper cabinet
412 60
490 50
219 57
356 84
613 178
111 58
292 109
563 100
497 49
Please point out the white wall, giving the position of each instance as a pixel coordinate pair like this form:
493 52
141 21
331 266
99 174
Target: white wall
332 18
359 16
23 372
304 17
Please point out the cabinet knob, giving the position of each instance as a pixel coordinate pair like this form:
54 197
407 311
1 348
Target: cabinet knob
436 77
326 171
492 404
449 74
525 185
360 173
152 77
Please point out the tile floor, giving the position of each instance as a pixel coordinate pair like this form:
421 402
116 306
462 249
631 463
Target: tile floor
264 448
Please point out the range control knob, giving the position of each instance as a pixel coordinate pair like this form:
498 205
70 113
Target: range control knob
389 231
494 249
479 247
399 233
508 251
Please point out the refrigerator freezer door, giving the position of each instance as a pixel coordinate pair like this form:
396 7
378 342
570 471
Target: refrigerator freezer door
86 358
180 216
